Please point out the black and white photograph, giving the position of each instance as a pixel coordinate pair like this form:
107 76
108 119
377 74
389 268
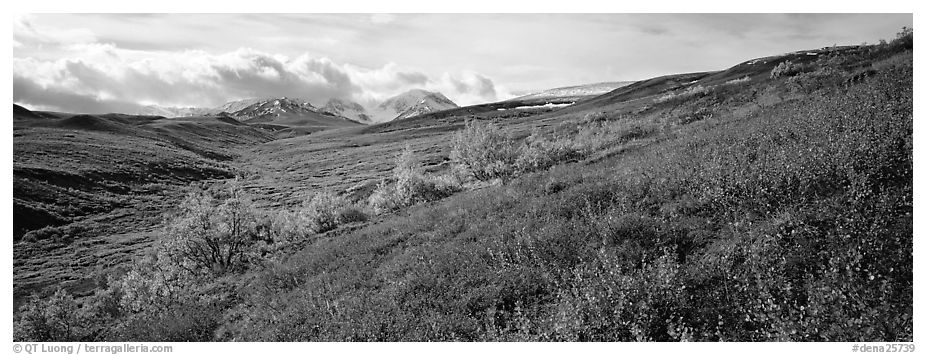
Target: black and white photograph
461 177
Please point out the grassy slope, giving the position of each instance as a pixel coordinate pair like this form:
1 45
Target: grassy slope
771 223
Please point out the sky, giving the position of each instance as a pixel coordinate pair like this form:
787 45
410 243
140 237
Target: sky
97 63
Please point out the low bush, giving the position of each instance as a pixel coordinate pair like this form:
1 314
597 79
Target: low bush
323 211
538 153
789 68
384 198
483 151
411 186
63 233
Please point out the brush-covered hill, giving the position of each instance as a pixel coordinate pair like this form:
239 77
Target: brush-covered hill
81 180
765 220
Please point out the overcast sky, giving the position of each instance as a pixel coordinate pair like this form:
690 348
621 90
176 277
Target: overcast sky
115 62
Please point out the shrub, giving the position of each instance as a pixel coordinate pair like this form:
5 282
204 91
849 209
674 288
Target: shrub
284 229
742 80
383 199
351 214
789 68
56 318
816 80
412 186
483 151
159 301
598 136
63 233
538 152
595 117
214 236
689 92
323 211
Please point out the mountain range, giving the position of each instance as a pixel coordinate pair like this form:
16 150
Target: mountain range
408 104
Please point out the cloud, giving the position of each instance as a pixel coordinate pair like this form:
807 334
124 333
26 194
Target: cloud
382 19
34 96
467 88
26 31
71 70
97 78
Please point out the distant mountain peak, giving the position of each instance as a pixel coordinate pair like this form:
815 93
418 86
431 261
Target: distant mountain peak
412 103
347 109
273 107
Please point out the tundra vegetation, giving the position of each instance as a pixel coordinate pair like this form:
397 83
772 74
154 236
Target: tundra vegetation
788 221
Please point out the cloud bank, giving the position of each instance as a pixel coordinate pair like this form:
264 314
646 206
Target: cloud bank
92 77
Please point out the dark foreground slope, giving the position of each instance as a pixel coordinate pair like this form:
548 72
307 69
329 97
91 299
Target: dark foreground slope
757 220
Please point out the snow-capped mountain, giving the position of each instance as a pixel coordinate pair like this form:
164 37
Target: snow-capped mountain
410 104
269 108
237 105
347 109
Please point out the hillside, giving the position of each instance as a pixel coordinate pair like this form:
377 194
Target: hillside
777 220
89 178
770 201
570 94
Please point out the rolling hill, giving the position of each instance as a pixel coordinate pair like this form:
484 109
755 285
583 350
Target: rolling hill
570 94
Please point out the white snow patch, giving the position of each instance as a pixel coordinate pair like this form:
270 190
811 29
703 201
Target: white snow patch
549 105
